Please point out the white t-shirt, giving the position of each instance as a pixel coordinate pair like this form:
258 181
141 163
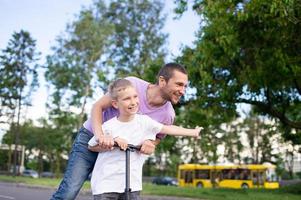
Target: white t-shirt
109 170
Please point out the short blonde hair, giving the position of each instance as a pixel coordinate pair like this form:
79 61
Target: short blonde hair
119 85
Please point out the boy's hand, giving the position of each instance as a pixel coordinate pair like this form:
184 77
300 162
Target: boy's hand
122 143
197 130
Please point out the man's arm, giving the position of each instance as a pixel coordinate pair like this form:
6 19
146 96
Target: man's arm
105 141
180 131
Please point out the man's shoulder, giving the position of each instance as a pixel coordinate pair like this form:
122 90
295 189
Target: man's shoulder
136 80
170 109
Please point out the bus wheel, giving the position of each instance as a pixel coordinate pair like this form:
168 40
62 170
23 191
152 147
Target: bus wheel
244 186
199 185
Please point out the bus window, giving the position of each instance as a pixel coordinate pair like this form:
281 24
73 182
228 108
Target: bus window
228 174
261 177
245 174
182 174
271 175
216 177
258 177
188 176
202 174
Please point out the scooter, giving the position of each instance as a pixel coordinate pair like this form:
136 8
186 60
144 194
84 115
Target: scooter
129 149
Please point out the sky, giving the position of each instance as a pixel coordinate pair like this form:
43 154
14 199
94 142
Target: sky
46 19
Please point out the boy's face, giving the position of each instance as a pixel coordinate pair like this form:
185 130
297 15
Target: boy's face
127 102
175 88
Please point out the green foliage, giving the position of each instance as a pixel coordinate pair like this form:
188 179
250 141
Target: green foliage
3 160
232 143
107 39
248 52
137 42
291 189
18 72
204 149
74 69
43 144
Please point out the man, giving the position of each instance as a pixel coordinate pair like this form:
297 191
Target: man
155 101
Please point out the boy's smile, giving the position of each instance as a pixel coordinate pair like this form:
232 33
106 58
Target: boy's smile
127 103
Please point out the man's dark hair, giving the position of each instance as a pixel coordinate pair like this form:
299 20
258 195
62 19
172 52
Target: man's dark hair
167 70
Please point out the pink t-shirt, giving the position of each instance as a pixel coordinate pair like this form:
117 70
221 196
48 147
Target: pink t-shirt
164 114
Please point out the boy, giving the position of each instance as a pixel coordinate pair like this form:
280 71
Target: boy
129 127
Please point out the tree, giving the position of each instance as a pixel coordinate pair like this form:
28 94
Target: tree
137 42
43 144
101 41
18 71
232 143
74 69
105 40
248 52
259 137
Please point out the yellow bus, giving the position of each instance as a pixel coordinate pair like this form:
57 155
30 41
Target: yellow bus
227 176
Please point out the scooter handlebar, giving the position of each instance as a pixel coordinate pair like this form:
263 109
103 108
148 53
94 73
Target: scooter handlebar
130 147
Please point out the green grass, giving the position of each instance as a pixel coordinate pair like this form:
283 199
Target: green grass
44 182
292 192
288 193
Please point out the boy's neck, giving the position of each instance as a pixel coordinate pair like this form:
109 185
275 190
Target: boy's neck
125 118
153 96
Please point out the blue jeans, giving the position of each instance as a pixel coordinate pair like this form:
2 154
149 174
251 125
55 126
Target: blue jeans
80 165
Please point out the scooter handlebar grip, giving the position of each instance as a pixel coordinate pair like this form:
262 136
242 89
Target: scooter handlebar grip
130 146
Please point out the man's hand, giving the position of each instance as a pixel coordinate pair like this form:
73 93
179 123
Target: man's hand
105 142
148 147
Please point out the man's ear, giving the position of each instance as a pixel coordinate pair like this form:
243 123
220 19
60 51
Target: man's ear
114 104
162 81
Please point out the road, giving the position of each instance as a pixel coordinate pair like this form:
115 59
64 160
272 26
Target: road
13 191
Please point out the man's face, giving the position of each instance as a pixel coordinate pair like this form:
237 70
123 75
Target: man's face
175 88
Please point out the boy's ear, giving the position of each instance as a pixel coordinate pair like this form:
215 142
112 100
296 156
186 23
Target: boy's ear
114 104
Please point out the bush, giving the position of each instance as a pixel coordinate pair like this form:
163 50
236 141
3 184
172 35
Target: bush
292 189
298 174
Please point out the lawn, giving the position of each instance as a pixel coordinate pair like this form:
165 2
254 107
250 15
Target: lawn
288 193
292 192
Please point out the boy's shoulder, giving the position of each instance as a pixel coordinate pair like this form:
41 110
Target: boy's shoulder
142 116
110 121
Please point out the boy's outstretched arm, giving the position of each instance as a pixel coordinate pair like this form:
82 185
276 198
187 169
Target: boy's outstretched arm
180 131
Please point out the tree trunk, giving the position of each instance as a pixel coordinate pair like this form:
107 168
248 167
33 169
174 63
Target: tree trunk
81 115
17 138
